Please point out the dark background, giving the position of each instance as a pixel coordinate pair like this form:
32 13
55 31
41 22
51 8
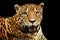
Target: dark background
7 9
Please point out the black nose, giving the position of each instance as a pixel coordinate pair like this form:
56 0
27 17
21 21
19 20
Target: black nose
32 21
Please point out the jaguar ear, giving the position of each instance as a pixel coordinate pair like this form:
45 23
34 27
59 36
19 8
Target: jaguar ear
16 6
41 4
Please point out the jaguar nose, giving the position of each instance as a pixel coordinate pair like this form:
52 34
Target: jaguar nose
32 20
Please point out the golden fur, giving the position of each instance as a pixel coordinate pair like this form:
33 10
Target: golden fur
13 28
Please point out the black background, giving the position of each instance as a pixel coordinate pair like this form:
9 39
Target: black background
7 9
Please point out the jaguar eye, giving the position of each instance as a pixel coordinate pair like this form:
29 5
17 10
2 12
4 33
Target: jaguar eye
37 12
24 14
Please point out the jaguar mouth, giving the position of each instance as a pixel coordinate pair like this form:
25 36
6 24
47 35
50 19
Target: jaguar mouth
31 29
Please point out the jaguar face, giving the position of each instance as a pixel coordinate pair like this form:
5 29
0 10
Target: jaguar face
30 17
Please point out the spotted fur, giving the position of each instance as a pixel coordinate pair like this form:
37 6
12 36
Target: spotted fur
24 25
